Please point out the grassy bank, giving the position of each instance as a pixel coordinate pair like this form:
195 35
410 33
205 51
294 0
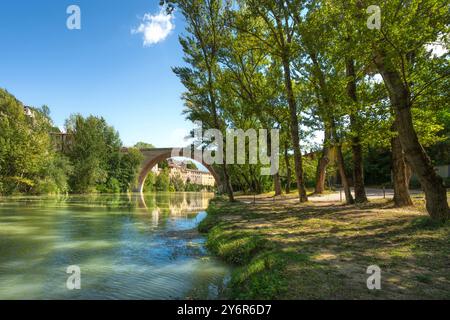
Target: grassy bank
289 250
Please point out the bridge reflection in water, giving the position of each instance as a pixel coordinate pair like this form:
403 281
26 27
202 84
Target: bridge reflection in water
171 204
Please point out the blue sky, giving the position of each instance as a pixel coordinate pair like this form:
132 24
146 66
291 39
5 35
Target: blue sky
103 69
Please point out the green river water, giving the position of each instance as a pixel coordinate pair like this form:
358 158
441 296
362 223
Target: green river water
126 246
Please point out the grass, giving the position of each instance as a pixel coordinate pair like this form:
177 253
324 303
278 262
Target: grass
322 251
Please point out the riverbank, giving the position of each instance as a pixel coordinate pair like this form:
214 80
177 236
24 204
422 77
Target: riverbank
319 250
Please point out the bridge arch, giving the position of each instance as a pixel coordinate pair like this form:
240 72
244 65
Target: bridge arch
154 156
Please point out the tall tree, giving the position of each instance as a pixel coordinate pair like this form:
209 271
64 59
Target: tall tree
395 50
358 169
205 27
26 151
94 152
274 30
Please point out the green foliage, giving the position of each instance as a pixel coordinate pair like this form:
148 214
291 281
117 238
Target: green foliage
99 164
177 183
26 152
30 164
440 152
239 59
163 165
191 165
55 176
158 182
128 169
163 181
191 187
377 167
111 186
309 171
150 183
93 149
144 145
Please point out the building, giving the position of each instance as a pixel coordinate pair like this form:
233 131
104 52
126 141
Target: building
200 178
28 111
197 177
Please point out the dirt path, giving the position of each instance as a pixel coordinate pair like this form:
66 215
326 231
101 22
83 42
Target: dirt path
332 197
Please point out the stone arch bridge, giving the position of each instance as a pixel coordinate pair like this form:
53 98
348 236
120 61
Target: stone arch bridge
154 156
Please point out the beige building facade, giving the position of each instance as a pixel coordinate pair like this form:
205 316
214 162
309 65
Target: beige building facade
196 177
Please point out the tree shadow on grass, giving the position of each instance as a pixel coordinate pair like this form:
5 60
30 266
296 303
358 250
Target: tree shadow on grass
340 242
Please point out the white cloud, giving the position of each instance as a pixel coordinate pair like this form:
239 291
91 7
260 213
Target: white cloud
155 28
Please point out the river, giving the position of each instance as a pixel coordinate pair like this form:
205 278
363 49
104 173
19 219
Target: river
126 247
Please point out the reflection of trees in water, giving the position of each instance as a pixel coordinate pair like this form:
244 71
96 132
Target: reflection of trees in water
175 204
154 206
110 201
163 205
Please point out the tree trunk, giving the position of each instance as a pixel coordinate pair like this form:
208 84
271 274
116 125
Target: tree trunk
358 171
358 168
276 176
324 161
432 183
408 172
340 162
341 167
277 184
294 130
248 184
228 185
399 174
288 169
254 184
